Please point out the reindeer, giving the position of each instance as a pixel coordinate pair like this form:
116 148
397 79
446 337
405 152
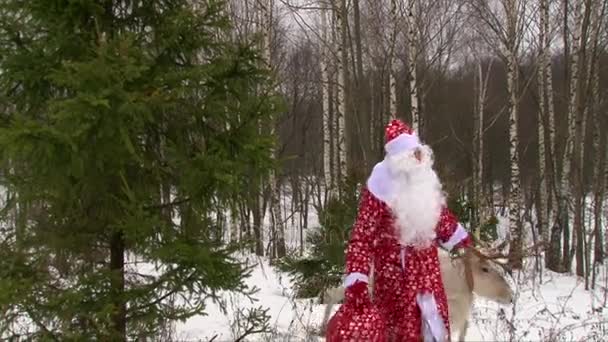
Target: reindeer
475 272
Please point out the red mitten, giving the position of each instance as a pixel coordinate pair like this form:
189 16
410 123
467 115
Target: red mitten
357 296
357 319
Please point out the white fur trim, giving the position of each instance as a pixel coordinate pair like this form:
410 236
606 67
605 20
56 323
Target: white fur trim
433 327
379 182
402 143
459 235
354 277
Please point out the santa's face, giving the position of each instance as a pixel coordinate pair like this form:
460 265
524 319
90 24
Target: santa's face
419 198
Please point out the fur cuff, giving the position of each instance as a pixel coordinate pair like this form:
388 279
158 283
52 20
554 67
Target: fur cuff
354 277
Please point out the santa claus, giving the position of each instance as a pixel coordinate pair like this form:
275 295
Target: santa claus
402 219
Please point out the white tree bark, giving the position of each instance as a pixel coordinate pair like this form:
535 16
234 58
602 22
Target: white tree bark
600 159
552 256
278 229
515 199
564 188
334 103
478 148
327 122
574 79
342 56
545 190
412 65
392 61
548 84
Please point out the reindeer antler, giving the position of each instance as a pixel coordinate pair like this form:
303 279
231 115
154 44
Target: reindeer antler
493 257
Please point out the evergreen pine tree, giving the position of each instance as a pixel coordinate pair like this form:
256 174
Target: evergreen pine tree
323 267
124 126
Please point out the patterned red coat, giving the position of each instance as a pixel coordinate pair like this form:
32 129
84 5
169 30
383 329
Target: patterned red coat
405 279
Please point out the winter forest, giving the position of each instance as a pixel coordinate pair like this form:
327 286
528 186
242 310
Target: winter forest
184 170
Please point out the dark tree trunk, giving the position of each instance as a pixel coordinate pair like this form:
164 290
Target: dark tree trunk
117 283
257 226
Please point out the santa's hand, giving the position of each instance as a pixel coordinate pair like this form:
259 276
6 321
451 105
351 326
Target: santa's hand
357 295
357 319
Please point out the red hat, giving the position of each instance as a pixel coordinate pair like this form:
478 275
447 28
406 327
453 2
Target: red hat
399 137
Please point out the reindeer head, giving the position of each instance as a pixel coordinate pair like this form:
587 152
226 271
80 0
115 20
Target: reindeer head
488 280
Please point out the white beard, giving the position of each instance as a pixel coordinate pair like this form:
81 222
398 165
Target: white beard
420 199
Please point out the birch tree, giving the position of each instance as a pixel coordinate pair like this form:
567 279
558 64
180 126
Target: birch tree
412 56
478 147
551 236
341 16
545 191
392 70
512 47
599 142
571 154
327 120
591 27
278 226
505 25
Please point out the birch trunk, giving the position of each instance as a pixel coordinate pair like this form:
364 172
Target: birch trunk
257 202
325 82
278 229
333 95
515 227
412 66
599 149
342 64
552 256
475 156
478 151
391 63
574 167
343 87
563 188
583 109
542 155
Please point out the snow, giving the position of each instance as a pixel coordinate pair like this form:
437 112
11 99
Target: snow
291 320
559 309
556 309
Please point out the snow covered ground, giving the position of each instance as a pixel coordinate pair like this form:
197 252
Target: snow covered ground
556 309
559 309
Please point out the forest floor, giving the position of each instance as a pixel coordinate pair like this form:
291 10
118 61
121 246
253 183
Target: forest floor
558 308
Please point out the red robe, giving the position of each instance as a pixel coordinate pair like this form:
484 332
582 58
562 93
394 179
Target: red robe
402 276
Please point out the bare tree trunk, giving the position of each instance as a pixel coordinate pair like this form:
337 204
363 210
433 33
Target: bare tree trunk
575 135
583 105
544 190
476 155
412 66
478 151
117 285
234 224
372 112
327 121
563 189
599 147
552 255
342 55
515 196
392 70
278 229
359 95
